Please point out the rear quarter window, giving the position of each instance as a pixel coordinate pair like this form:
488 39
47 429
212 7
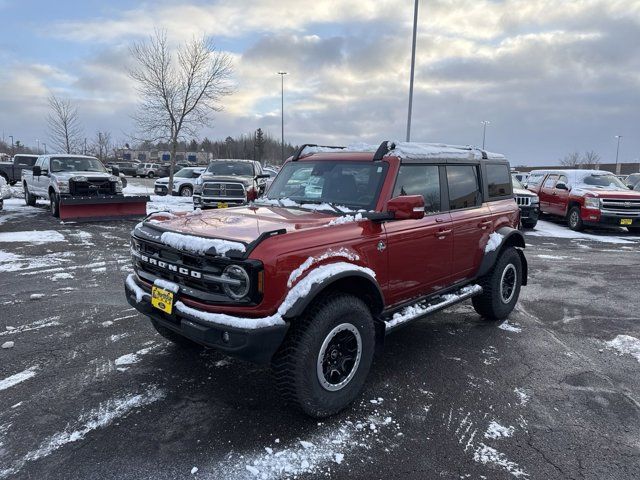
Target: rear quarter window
498 180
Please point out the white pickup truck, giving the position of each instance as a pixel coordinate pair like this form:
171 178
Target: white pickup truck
62 176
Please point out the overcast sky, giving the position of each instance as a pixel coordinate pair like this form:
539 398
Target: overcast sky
552 76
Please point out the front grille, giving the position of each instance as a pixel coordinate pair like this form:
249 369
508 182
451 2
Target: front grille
619 205
523 201
93 186
223 190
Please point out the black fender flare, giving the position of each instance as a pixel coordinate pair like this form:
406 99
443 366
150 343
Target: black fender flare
354 281
510 238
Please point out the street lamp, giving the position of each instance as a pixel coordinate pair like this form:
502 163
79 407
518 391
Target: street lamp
282 74
617 152
413 63
484 131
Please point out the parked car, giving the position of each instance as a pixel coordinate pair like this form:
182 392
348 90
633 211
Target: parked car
632 180
165 168
183 182
149 170
5 192
272 172
528 202
228 183
313 285
586 198
128 168
12 171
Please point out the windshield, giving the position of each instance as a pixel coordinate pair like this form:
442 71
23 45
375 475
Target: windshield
516 183
352 184
76 164
606 180
242 169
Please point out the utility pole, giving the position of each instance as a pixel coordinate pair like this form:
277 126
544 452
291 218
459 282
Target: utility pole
484 131
12 152
38 142
617 152
282 74
413 63
45 148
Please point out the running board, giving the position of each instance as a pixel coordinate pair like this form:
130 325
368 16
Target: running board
422 308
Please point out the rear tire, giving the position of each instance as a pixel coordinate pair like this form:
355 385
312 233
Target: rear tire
324 361
174 337
529 224
29 199
55 204
574 220
500 287
150 175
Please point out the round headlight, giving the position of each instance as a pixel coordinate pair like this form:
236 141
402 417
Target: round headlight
240 287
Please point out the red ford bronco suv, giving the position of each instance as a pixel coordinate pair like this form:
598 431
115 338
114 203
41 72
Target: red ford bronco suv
345 247
586 198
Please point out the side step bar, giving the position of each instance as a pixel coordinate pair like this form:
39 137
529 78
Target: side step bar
424 308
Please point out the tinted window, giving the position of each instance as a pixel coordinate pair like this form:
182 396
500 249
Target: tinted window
464 189
25 161
420 180
550 181
499 180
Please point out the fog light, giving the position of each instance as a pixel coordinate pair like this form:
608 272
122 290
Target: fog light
225 337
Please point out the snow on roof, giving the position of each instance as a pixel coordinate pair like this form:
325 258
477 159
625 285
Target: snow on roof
412 150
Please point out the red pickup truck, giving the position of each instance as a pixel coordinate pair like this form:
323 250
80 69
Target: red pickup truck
586 198
345 247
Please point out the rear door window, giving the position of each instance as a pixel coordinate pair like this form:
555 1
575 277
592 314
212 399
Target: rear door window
420 180
464 187
498 180
550 181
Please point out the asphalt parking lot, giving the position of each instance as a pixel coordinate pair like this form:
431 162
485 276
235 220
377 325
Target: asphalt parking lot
89 390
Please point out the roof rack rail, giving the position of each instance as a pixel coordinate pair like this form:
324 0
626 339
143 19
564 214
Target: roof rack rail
298 153
384 148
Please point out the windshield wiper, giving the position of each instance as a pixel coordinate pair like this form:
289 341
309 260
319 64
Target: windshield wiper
320 202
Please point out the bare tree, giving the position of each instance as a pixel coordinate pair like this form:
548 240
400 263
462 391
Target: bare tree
591 158
102 145
65 131
571 160
179 91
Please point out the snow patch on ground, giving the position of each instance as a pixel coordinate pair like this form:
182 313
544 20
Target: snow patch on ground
495 239
626 345
551 230
18 378
523 397
130 358
495 430
37 237
61 276
37 325
100 417
551 257
509 327
490 456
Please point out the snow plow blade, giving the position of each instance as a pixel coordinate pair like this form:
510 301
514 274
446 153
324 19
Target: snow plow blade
103 208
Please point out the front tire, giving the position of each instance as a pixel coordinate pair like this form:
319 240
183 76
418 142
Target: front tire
500 287
324 361
186 191
29 199
55 204
574 220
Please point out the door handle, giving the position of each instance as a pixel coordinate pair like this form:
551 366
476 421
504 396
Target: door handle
485 225
443 233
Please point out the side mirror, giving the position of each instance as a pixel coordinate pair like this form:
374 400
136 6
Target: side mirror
562 186
115 171
264 175
407 207
37 171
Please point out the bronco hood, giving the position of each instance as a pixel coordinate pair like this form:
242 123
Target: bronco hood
244 224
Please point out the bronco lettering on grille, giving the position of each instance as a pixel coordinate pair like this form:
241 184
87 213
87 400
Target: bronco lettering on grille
170 267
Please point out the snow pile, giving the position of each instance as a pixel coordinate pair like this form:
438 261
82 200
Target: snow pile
626 344
313 457
300 290
172 287
102 416
200 244
353 147
36 237
18 378
495 239
495 430
342 252
346 219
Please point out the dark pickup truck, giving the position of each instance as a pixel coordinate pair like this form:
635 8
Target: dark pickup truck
12 171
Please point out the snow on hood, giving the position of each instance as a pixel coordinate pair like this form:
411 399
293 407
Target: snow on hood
523 193
68 175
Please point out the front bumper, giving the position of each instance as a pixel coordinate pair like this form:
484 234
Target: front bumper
160 189
603 218
212 202
256 345
530 213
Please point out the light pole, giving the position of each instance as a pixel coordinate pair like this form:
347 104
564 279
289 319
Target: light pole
44 145
12 152
413 63
38 142
282 74
617 152
484 131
